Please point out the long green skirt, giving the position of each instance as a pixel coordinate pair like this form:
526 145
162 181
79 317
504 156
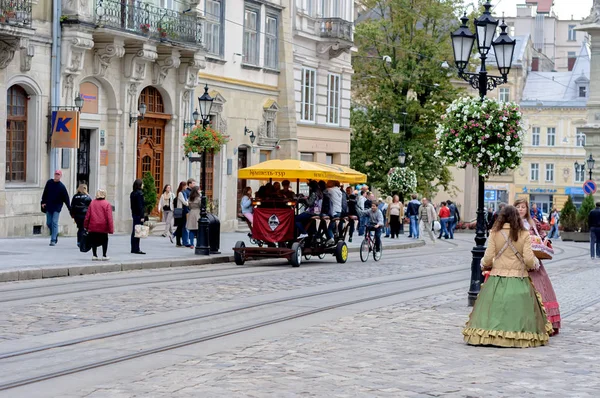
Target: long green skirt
508 313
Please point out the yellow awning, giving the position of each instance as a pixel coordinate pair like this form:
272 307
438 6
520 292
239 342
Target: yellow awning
289 169
351 176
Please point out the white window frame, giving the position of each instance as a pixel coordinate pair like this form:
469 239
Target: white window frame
549 172
580 139
551 136
534 172
572 33
168 4
214 24
305 156
269 38
580 175
255 59
535 136
504 94
584 88
308 98
334 99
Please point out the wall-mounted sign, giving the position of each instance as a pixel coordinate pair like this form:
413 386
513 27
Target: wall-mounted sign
539 190
65 129
104 157
102 138
89 93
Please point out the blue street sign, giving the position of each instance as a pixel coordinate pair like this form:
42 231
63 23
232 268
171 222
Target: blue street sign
589 187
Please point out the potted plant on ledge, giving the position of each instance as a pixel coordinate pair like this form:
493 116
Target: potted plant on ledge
568 221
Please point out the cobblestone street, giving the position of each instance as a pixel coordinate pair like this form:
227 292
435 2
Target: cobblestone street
407 345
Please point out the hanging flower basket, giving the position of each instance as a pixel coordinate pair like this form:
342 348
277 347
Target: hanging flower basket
203 139
402 180
486 134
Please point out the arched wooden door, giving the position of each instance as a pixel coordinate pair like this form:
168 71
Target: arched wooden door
151 138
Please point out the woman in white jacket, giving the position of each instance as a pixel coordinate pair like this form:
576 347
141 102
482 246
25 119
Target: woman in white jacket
165 204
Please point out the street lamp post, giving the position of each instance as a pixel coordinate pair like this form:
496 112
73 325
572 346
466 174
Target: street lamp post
202 243
504 47
402 157
580 168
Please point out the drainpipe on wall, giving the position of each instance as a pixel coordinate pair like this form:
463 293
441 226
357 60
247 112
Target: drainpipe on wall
55 75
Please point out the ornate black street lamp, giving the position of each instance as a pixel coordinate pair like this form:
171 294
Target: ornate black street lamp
580 168
79 102
195 116
202 243
504 47
402 157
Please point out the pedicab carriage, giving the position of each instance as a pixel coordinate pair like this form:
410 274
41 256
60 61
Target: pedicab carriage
273 230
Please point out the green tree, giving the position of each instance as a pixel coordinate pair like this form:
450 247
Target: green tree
149 190
399 78
582 216
568 216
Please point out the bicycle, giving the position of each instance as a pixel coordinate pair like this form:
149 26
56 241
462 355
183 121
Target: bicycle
368 245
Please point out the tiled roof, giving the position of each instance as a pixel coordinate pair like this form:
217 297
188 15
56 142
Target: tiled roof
558 88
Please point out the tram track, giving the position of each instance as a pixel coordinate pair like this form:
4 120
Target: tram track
181 276
219 334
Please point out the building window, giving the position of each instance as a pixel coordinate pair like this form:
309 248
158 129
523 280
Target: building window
580 174
328 158
214 24
170 4
307 156
333 99
265 155
572 33
551 136
16 134
271 53
153 100
534 174
582 91
251 41
549 172
535 136
571 58
504 95
580 139
309 84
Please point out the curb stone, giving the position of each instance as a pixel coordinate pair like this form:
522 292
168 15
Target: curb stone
57 272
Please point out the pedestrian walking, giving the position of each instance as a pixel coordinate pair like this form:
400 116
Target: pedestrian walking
136 201
395 214
554 219
191 183
54 195
99 223
166 205
193 216
178 213
79 207
444 214
412 212
454 217
539 277
426 217
508 311
594 224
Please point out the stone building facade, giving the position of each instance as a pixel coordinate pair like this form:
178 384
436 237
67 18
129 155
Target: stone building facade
25 56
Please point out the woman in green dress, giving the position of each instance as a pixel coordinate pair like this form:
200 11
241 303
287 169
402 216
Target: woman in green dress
508 311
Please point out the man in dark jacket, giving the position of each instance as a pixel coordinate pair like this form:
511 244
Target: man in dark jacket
191 183
594 223
54 195
412 212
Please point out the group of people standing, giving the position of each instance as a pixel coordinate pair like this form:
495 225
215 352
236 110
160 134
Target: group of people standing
517 305
182 210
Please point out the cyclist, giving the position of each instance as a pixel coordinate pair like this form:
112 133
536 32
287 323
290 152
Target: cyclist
375 224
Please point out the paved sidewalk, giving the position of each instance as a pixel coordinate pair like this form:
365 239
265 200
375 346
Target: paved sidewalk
33 258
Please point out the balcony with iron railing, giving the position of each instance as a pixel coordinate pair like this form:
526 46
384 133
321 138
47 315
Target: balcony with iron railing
148 20
15 13
335 28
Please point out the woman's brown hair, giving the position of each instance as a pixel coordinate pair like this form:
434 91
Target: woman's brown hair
528 214
510 215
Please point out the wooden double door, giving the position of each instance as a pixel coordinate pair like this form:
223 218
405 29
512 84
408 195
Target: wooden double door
150 151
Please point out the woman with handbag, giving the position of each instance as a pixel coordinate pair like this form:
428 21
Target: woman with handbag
99 223
79 207
539 276
136 200
166 205
508 311
194 215
179 202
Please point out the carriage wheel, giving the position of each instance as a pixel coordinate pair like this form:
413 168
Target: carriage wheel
238 256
